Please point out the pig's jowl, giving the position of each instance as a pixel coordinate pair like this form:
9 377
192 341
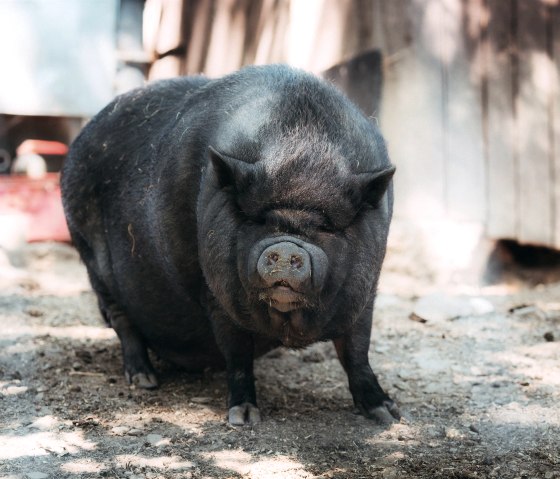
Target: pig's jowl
221 218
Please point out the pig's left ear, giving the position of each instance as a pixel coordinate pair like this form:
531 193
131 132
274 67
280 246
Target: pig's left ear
230 171
373 185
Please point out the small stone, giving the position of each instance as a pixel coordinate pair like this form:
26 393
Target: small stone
481 306
439 307
201 400
473 428
452 433
35 313
549 336
120 430
135 432
313 357
153 439
76 366
75 389
524 310
36 475
390 473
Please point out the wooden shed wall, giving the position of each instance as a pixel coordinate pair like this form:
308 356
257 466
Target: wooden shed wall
471 100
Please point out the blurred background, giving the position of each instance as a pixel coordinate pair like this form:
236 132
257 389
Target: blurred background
467 93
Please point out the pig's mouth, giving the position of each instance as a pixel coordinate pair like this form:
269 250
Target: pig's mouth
283 298
292 328
289 319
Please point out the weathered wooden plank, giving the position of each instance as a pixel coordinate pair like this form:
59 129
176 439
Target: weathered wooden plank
198 26
532 132
162 26
227 40
462 61
555 104
395 38
500 123
412 107
316 33
272 30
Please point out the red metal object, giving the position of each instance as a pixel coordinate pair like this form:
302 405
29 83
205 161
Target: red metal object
39 202
42 147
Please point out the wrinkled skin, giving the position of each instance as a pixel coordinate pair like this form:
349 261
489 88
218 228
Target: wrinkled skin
221 218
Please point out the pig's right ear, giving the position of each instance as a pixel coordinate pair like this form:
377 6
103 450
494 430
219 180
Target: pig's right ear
373 185
230 171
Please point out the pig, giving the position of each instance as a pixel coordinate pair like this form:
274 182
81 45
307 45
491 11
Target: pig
221 218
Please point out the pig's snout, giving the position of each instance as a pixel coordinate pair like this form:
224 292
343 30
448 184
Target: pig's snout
285 264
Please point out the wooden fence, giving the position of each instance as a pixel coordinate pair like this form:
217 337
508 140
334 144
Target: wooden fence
471 100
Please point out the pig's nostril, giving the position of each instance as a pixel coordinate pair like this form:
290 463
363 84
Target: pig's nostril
272 258
296 261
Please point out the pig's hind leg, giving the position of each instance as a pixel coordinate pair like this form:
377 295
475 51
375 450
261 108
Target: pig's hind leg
138 368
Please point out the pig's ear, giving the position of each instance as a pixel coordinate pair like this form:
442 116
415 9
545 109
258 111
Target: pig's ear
373 185
230 171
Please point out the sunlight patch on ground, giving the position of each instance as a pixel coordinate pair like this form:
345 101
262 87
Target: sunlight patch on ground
181 419
8 388
538 361
54 285
526 415
82 466
42 444
392 435
174 463
49 283
71 332
44 423
243 463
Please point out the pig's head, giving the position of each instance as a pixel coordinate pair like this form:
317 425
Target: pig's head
293 217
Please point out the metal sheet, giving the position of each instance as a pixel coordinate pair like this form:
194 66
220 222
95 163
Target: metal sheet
57 57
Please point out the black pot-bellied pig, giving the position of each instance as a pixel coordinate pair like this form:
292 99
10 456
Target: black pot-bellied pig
221 218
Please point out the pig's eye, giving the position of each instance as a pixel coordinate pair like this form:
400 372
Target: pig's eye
327 227
256 222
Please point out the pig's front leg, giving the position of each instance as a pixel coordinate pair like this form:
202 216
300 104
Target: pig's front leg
237 347
369 398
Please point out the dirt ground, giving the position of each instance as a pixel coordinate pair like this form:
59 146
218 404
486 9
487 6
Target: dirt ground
478 384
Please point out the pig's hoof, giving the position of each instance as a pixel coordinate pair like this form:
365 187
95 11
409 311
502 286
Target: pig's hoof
385 414
142 380
245 413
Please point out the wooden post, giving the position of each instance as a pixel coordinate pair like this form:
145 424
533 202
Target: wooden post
500 121
462 62
412 115
555 44
532 129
